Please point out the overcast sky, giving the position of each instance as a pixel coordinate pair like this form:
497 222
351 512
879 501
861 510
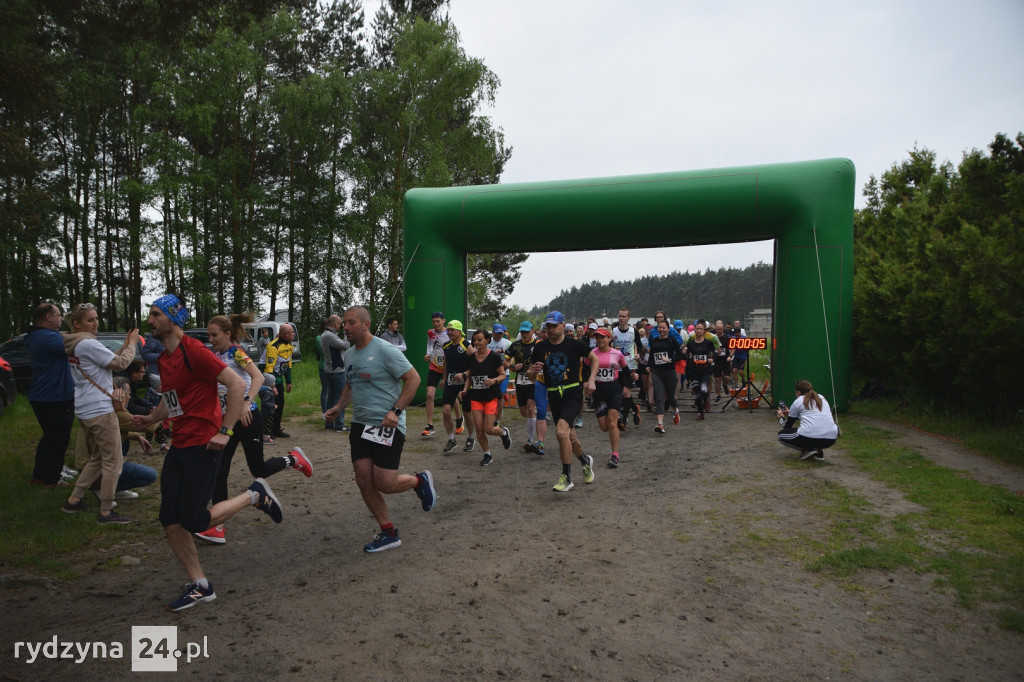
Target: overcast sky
593 88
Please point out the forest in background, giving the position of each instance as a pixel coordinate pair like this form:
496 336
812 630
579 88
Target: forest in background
726 293
243 151
243 154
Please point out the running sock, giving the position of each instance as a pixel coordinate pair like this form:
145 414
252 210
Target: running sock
289 461
566 468
202 582
583 459
531 428
388 529
254 497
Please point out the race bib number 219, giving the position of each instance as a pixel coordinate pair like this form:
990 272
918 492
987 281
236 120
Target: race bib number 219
383 435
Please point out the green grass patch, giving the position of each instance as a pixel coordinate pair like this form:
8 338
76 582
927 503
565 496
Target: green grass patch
304 400
1000 442
38 537
970 535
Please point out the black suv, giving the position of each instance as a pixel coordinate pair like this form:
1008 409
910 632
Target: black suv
16 353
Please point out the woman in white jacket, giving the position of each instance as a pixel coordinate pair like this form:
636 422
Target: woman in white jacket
92 368
817 429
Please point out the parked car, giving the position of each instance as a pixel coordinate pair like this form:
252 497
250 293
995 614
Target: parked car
8 391
256 329
16 353
248 344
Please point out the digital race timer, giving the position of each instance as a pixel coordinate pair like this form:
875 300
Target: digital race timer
740 343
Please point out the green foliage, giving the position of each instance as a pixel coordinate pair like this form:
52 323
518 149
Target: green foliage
939 259
233 153
491 277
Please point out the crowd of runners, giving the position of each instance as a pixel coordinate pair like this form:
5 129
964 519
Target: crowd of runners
553 373
559 370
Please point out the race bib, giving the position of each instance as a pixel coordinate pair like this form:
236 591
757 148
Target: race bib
438 358
479 382
661 358
522 379
605 374
382 435
451 379
173 404
223 397
700 359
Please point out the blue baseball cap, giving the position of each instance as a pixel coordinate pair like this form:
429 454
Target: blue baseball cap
678 324
437 314
499 328
554 317
173 308
526 326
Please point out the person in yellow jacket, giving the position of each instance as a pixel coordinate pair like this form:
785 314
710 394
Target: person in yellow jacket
279 363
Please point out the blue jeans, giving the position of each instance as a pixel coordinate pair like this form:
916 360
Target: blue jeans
135 475
335 384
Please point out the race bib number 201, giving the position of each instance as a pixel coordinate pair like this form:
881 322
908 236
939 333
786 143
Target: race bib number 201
382 435
173 404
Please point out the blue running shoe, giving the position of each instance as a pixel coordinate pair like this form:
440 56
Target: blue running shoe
192 595
268 502
425 491
383 541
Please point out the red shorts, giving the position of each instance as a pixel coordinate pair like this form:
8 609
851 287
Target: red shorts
490 407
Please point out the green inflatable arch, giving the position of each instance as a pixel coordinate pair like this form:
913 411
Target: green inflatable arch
806 207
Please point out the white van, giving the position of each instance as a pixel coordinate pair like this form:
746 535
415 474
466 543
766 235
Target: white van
257 329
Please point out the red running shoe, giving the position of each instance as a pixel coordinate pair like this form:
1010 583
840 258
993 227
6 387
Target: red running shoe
302 462
214 535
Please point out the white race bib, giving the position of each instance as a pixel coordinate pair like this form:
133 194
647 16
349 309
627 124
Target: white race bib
382 435
522 379
223 402
605 374
451 379
479 382
173 404
439 358
661 358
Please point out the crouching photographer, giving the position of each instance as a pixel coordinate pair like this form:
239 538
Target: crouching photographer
817 429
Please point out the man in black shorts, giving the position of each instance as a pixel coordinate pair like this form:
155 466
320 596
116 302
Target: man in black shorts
189 374
518 360
556 360
380 383
454 373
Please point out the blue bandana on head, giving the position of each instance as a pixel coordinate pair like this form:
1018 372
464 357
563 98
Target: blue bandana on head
174 309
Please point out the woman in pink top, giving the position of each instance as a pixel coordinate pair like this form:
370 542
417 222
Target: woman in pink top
603 384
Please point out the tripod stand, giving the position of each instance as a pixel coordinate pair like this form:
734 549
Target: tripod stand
748 383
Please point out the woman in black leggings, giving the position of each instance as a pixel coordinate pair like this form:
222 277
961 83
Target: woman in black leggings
662 353
224 335
700 355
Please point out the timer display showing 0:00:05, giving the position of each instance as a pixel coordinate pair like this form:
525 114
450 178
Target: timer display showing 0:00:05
740 343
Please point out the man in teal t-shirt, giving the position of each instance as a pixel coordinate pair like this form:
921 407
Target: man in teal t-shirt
380 383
